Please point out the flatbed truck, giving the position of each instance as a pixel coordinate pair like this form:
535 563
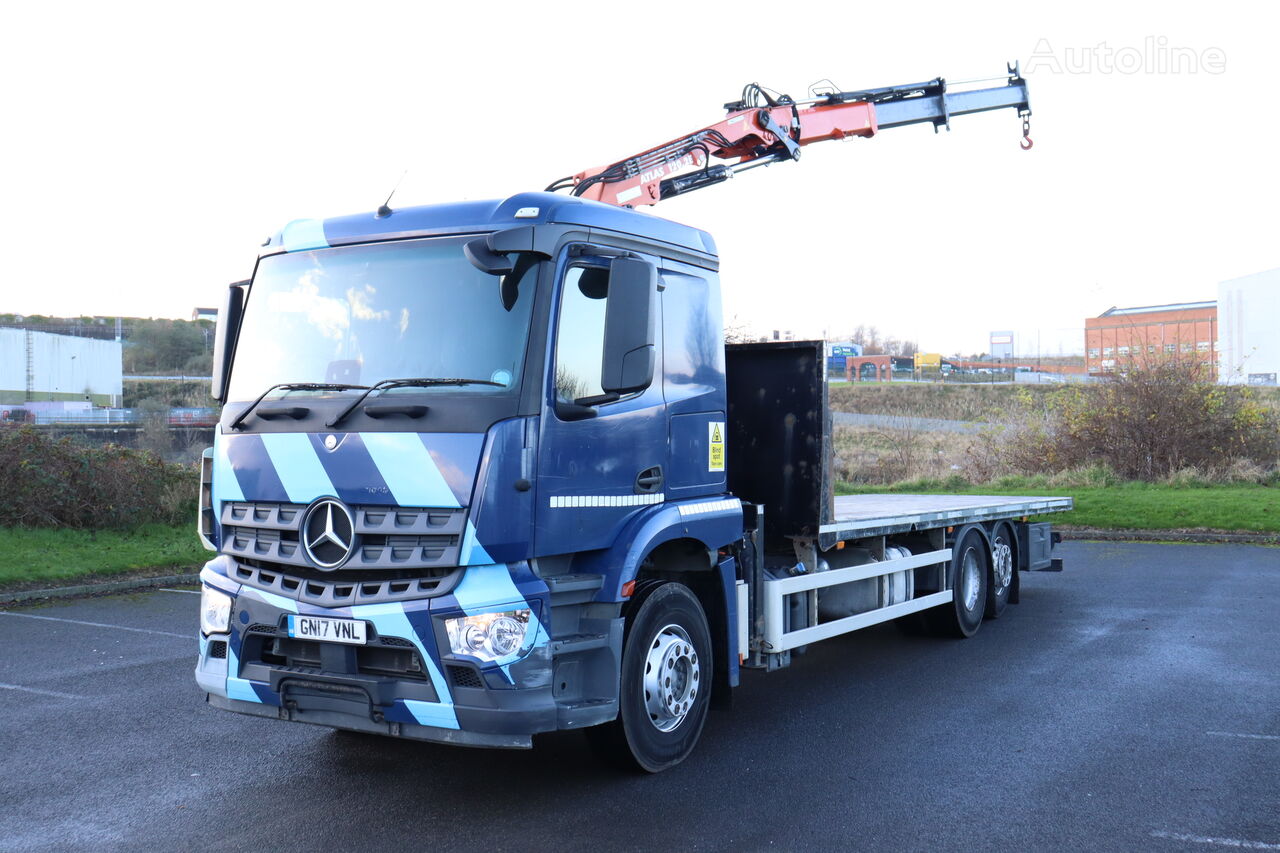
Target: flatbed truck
488 469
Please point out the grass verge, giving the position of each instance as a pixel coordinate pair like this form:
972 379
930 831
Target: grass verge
42 555
1127 506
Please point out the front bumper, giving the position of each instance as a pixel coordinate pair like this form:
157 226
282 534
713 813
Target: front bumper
404 682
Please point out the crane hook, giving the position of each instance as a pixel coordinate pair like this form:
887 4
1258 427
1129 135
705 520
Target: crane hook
1026 142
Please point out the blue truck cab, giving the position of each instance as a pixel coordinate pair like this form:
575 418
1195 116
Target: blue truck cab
448 556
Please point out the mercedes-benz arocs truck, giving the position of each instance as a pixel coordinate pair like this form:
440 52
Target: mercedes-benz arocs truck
488 469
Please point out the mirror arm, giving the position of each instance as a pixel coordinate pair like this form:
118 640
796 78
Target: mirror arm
598 399
573 411
485 259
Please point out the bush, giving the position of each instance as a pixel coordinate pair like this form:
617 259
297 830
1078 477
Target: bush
56 483
1164 422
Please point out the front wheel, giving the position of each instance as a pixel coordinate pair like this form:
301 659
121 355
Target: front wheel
666 680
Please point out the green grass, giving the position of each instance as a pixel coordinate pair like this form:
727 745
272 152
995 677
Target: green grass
43 555
1132 506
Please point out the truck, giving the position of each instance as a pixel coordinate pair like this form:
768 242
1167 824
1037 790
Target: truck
487 469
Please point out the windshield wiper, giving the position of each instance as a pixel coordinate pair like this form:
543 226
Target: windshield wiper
405 383
291 386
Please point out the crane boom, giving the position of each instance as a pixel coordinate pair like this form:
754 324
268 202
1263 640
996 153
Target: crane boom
762 128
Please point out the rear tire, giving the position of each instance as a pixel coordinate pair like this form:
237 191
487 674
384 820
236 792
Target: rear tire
971 573
666 678
1003 571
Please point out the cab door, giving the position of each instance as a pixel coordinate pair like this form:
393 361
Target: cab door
601 451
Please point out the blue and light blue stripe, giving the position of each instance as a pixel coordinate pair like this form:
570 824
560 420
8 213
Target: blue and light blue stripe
408 469
296 463
391 620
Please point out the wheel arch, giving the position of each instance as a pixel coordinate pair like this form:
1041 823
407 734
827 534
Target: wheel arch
711 579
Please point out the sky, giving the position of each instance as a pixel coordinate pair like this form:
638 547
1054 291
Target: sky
150 148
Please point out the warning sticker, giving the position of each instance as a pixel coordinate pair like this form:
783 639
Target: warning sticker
715 446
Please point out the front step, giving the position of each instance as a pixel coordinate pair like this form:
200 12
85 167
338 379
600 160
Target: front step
578 643
572 589
587 712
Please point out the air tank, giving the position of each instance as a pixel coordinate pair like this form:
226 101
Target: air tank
849 599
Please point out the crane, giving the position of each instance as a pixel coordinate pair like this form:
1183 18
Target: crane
763 127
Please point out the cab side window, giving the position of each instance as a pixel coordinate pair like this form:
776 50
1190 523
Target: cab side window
580 333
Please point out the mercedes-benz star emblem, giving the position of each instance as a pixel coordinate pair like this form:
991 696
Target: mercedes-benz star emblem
328 534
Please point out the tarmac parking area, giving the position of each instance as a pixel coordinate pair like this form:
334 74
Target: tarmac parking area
1131 702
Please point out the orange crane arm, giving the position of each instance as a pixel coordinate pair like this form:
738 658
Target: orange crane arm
761 129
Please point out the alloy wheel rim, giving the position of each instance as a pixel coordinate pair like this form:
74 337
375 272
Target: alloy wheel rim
972 581
672 678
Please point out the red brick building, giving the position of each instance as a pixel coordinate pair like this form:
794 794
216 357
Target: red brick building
1120 336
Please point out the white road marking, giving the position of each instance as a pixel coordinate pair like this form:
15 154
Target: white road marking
1244 735
53 693
1217 842
184 591
96 624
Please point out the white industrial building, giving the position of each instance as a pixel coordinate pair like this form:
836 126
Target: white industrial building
40 367
1249 329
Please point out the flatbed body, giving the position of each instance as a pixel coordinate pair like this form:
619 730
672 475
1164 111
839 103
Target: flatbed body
859 516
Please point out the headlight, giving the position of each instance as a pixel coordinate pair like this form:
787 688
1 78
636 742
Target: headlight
488 636
215 611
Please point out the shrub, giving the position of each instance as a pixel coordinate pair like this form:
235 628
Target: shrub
1164 422
57 483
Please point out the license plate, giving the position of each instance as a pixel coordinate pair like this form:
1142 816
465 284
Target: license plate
327 630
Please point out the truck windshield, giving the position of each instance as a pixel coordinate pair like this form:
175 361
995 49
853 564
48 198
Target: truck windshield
357 315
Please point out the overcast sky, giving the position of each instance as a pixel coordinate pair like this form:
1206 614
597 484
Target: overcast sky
151 148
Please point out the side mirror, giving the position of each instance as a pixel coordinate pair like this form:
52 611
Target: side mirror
630 317
224 338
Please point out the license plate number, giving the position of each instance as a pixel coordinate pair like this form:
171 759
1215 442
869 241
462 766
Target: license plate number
327 630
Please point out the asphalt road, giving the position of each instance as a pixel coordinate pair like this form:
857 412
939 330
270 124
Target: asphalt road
1129 703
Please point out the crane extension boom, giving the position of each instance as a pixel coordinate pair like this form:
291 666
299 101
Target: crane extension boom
761 129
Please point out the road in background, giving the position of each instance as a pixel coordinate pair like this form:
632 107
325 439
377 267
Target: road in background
901 422
1131 702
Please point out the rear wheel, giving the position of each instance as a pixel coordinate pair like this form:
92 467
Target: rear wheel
1002 571
970 580
666 680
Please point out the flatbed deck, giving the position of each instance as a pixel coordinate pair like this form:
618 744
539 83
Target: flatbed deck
858 516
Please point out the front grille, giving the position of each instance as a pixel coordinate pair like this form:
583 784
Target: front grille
389 538
402 553
327 591
396 641
218 649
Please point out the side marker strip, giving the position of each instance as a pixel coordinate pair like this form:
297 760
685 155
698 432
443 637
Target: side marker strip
730 505
579 501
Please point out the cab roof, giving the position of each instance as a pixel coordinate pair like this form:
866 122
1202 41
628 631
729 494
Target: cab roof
473 217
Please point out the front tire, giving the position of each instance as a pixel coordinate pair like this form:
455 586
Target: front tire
666 679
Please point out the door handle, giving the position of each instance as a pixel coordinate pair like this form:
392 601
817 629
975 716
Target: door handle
649 480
